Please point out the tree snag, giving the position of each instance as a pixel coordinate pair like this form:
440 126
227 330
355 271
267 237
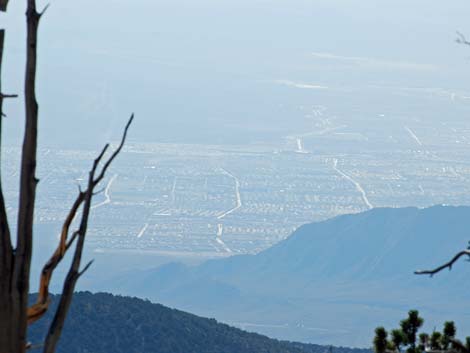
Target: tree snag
15 263
3 5
444 266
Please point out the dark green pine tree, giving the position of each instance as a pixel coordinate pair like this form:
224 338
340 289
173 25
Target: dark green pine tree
380 340
449 333
410 327
398 339
436 339
467 343
423 341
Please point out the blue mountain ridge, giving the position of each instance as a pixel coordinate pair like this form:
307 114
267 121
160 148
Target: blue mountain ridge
330 282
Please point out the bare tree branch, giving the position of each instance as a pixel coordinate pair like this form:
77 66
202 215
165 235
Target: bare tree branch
116 152
100 191
3 5
28 182
461 39
36 311
15 263
3 96
74 272
44 9
87 266
444 266
6 249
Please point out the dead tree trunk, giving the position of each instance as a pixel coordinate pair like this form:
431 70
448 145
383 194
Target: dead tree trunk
3 5
28 182
15 315
6 250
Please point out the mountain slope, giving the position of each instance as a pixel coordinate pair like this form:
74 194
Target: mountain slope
103 323
329 282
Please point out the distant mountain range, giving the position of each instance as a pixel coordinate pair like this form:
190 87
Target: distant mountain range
103 323
329 282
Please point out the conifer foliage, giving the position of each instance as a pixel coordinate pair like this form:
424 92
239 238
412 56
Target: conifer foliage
407 340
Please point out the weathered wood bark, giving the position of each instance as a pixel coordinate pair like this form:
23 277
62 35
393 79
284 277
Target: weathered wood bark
28 182
37 310
3 5
6 251
447 265
15 315
74 273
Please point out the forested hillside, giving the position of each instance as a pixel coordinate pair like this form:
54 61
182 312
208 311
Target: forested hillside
103 323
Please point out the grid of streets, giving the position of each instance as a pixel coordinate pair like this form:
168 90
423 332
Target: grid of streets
217 200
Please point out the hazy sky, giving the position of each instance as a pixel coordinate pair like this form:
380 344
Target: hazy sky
208 68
